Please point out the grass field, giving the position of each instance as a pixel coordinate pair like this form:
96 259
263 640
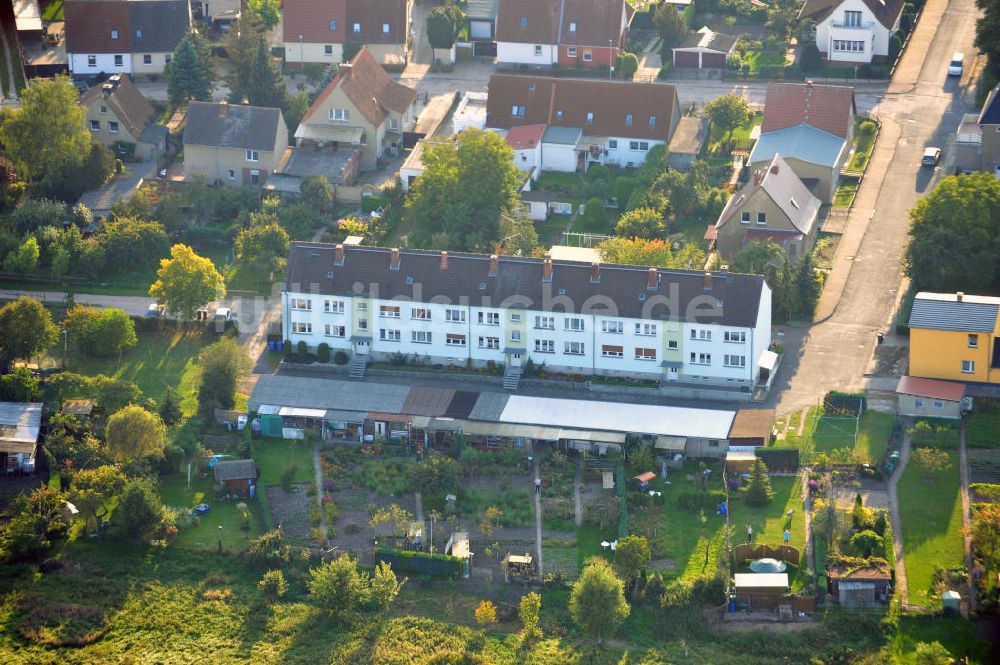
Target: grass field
52 10
873 436
758 59
223 522
717 134
932 525
769 522
273 456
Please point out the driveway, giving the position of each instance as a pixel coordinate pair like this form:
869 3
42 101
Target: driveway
922 108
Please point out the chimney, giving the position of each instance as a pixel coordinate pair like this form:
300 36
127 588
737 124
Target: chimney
959 296
547 269
338 255
595 272
394 259
708 281
758 177
494 265
652 279
223 109
774 168
444 260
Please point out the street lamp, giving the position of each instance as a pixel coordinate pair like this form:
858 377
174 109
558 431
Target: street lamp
301 57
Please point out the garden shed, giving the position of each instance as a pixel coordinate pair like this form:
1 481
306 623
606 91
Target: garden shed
751 427
20 424
859 587
739 461
238 476
930 397
760 591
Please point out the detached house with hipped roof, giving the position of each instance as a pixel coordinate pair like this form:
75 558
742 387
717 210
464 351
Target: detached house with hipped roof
119 116
812 127
123 36
853 30
361 107
229 144
568 33
587 121
318 30
774 206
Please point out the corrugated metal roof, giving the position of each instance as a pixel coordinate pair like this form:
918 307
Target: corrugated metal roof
943 311
20 422
317 393
489 406
803 142
424 401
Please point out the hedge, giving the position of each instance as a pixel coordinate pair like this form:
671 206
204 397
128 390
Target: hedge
405 561
779 459
709 500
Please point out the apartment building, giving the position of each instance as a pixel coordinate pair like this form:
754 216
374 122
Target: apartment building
578 318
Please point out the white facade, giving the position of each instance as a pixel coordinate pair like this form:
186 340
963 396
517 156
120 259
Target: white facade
544 55
299 53
628 152
558 157
82 64
852 34
529 160
576 343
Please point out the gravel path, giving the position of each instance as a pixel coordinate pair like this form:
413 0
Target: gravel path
897 522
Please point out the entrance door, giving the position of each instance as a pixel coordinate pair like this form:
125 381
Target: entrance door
361 348
672 374
515 360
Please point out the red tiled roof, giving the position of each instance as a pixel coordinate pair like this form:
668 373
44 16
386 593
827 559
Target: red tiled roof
826 107
312 20
525 136
711 233
931 388
541 21
596 21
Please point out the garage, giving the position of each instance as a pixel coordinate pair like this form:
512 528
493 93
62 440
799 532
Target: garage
705 49
930 397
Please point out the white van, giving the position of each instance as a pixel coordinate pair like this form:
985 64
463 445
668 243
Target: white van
955 66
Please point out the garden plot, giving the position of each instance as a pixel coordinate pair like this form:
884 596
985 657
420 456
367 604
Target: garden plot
984 465
290 510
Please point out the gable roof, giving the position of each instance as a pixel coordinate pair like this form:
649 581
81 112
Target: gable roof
990 115
827 107
886 11
782 186
802 142
525 136
369 88
945 311
125 101
931 388
596 21
232 126
312 266
312 20
372 16
611 102
236 469
143 25
159 26
706 38
541 21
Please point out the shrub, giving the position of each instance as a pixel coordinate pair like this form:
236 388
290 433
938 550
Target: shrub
599 172
594 216
810 60
302 350
701 500
628 65
272 586
486 613
323 352
286 349
867 129
340 358
172 458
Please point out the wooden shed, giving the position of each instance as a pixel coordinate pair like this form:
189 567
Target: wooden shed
859 587
239 476
760 591
751 427
81 408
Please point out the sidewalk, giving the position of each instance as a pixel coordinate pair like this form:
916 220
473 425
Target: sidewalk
907 73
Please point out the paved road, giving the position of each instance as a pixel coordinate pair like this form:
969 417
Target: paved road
923 108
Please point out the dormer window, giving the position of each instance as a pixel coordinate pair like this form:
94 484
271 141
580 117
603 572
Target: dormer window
628 119
114 34
385 28
524 22
590 117
333 25
138 34
572 26
357 28
652 121
559 114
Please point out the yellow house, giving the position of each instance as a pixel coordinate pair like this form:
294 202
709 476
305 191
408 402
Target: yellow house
230 144
955 336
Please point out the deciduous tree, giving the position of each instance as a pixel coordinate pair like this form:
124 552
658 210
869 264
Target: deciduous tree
267 11
651 253
37 523
385 586
262 247
134 433
129 243
26 329
645 223
339 587
223 364
93 488
24 259
141 509
597 601
19 386
932 460
186 282
671 25
530 610
443 25
728 112
988 32
631 558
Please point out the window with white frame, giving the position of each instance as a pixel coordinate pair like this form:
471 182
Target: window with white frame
362 307
973 341
545 322
628 119
302 303
95 125
357 28
515 317
333 306
652 121
538 49
339 115
612 144
489 318
119 61
420 336
333 25
645 353
300 328
852 19
612 351
385 28
572 26
645 329
454 315
571 52
232 174
489 343
745 217
518 110
545 346
672 344
573 348
253 156
91 60
701 358
389 335
393 123
701 334
590 117
103 109
638 145
362 324
114 34
968 367
559 114
112 126
420 313
736 336
147 59
327 49
515 335
615 327
138 34
334 331
848 46
918 403
454 340
734 360
389 311
573 323
762 219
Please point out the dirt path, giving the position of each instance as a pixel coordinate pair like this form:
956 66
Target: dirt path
577 500
897 522
538 513
318 471
963 470
807 517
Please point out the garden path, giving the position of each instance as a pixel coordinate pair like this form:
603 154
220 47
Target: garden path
577 501
806 514
538 514
963 473
318 473
897 522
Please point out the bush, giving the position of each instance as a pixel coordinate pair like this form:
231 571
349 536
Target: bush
594 216
405 561
272 586
895 46
286 349
628 65
172 458
302 350
867 129
701 500
323 352
810 60
340 358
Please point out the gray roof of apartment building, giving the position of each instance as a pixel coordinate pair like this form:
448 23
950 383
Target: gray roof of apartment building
944 311
720 298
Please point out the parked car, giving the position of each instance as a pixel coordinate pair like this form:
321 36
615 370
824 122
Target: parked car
154 311
932 156
225 314
955 66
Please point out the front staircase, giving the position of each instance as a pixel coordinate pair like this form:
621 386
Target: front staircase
356 368
511 377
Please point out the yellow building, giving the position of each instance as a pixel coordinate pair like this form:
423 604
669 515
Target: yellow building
955 336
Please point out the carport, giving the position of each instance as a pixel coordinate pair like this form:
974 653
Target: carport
705 49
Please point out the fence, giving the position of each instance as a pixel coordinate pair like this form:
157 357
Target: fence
786 553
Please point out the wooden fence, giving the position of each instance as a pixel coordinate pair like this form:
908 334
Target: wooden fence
786 553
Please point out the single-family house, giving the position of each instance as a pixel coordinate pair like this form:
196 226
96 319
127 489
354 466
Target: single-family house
230 144
568 33
123 36
617 121
812 127
853 31
361 107
704 49
238 476
317 31
20 425
930 398
955 336
989 124
118 116
773 206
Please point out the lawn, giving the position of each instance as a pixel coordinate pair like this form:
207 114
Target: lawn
274 456
864 143
982 429
223 522
792 438
873 436
717 134
759 59
570 183
769 522
847 189
932 526
52 10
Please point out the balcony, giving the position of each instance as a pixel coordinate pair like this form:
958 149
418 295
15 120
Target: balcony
867 27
